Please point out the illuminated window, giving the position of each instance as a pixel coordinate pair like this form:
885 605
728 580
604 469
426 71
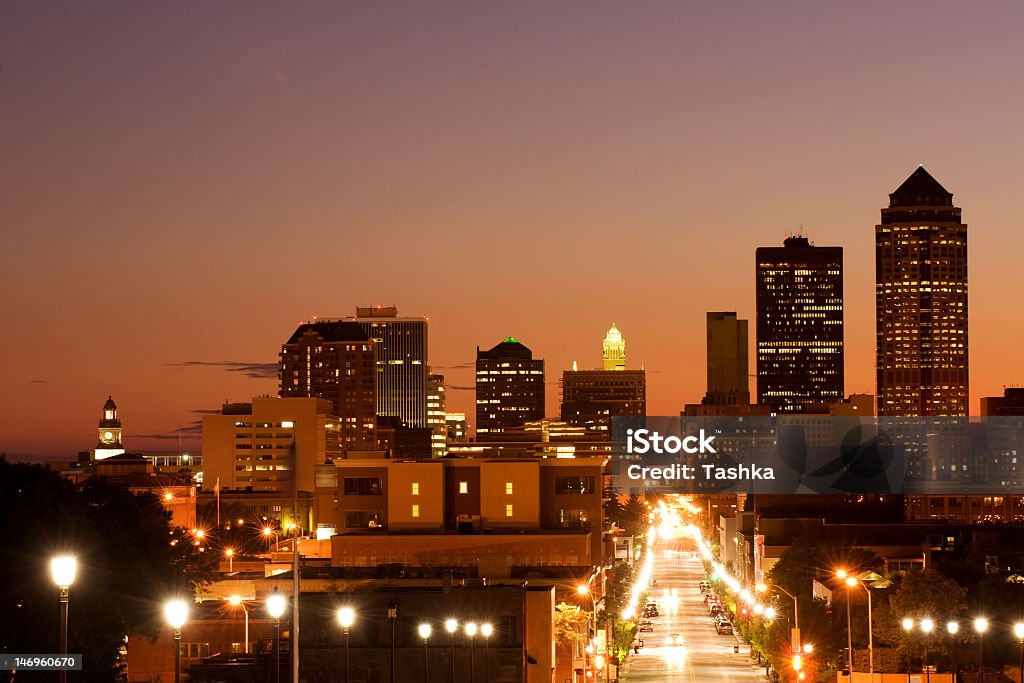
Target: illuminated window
415 488
508 510
463 487
508 488
415 510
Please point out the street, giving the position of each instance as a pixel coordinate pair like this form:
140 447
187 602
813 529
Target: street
704 655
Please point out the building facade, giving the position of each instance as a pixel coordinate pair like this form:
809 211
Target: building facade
335 360
261 445
109 442
436 405
509 388
727 349
401 345
921 302
799 325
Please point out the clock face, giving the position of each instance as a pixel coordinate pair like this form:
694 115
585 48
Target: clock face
108 436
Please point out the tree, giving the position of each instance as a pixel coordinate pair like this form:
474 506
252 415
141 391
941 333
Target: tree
127 564
570 624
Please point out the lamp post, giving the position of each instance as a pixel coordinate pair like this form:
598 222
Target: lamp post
63 570
952 628
392 618
231 559
237 601
908 626
486 630
841 574
276 604
451 625
176 612
795 646
471 634
1018 631
980 626
346 617
851 582
926 627
425 635
584 589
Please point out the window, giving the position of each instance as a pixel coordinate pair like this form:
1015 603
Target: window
364 519
574 485
508 488
573 519
463 487
508 510
415 510
362 486
415 488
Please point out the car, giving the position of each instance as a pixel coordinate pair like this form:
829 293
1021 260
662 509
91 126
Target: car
644 627
650 612
724 628
715 610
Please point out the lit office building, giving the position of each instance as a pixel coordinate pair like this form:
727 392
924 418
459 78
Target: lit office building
799 325
256 445
509 388
335 360
401 362
591 398
436 403
921 302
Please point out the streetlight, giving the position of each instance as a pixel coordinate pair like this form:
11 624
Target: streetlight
908 626
926 626
852 581
470 633
425 635
1018 630
980 626
769 613
452 625
63 569
392 618
346 617
794 643
176 612
276 604
231 559
843 576
952 628
486 630
237 601
584 589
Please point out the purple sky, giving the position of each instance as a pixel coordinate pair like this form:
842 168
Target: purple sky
186 182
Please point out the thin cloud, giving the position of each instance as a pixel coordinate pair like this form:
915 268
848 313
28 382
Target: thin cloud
39 381
206 411
458 387
194 428
468 365
254 370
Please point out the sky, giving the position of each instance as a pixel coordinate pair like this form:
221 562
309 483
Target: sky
183 183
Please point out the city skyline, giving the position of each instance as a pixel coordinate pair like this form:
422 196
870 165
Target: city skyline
166 237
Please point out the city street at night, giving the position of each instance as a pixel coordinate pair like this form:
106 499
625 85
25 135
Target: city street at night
704 655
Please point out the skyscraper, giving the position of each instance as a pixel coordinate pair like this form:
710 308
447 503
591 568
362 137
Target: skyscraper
401 362
728 381
921 302
335 360
591 398
799 325
509 389
436 405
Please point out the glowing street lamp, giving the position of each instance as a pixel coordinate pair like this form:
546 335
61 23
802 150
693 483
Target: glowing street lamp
425 630
230 554
980 626
276 604
236 600
347 617
451 625
63 569
1018 631
176 612
470 629
486 630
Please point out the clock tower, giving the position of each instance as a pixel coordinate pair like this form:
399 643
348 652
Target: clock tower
109 432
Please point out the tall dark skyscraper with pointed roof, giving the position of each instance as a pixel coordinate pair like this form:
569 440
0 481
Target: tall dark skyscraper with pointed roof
921 302
509 389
